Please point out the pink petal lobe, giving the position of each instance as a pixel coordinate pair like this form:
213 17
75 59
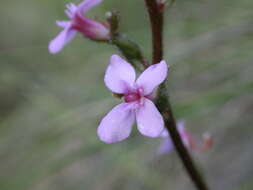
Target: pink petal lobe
86 5
90 28
165 133
119 76
117 124
153 76
70 10
185 136
62 23
181 126
149 120
61 40
166 146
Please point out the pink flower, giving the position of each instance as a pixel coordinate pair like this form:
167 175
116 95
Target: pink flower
189 142
92 29
120 78
167 144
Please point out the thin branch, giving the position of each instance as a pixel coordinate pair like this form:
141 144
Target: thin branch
163 104
156 20
164 107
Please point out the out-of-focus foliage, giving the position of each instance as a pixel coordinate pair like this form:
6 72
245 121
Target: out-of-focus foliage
50 105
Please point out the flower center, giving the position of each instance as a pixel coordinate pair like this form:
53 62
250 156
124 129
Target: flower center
132 97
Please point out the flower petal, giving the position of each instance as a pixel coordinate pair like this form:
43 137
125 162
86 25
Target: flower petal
62 23
70 10
166 146
92 29
152 77
87 5
61 40
119 76
165 133
149 120
117 124
181 126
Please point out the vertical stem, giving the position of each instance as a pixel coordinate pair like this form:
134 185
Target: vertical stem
164 107
163 104
156 20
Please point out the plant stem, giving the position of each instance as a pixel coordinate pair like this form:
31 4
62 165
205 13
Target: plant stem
164 107
156 20
163 104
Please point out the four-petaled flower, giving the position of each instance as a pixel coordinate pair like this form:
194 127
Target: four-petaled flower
90 28
120 78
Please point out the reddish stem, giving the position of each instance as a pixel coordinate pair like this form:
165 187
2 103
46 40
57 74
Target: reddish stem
156 19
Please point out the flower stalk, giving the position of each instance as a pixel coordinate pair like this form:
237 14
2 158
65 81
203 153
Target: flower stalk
129 48
163 103
156 21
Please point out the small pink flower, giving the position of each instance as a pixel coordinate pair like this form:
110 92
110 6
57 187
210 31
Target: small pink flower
92 29
167 144
120 78
189 142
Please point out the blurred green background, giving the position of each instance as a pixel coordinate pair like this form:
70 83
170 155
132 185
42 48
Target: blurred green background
50 105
